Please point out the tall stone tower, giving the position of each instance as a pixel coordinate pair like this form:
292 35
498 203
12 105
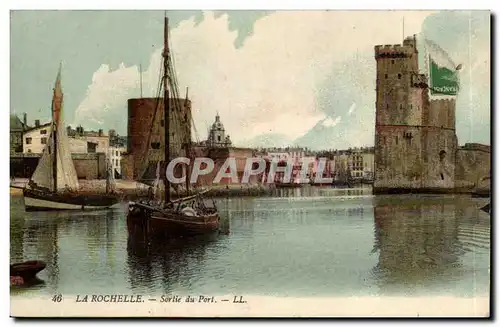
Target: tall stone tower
415 141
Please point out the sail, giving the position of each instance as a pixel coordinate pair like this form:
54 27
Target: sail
43 175
66 172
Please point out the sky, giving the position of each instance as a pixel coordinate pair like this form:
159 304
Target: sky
276 78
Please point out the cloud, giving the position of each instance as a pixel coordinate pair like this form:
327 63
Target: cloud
270 84
329 122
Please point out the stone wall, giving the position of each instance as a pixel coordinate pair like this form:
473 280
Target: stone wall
87 165
473 166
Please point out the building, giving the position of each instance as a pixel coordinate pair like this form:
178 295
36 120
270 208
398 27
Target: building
217 135
415 140
99 138
416 148
36 138
17 129
368 159
117 147
115 158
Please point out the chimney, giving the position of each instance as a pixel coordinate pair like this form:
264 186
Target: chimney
37 123
25 119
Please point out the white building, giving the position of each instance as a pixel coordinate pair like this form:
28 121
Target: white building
368 165
115 157
35 139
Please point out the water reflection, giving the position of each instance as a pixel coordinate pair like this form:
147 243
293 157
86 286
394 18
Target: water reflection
74 245
296 245
173 263
422 242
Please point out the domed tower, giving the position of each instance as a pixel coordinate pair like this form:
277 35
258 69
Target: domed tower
216 136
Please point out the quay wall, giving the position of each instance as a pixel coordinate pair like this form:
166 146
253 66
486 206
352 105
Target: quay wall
473 166
87 165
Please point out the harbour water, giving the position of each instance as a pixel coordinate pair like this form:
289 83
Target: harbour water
300 242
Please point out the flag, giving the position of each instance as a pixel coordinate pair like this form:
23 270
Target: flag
442 71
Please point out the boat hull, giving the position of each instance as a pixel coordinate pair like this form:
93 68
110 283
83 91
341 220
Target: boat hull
171 223
27 270
42 201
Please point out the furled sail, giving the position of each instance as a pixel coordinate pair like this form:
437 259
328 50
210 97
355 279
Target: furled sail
66 173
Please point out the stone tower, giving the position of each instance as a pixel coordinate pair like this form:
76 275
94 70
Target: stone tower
415 141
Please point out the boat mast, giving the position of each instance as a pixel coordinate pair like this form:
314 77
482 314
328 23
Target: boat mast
188 144
55 120
54 162
166 110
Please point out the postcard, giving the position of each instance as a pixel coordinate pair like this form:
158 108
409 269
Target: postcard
250 163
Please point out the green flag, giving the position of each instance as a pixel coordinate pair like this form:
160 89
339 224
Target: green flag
443 73
443 80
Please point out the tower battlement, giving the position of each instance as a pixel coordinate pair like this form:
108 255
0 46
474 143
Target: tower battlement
393 51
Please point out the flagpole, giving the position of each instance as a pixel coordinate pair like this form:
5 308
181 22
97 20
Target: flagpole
403 28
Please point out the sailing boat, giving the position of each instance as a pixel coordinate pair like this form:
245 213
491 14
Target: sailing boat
188 215
54 184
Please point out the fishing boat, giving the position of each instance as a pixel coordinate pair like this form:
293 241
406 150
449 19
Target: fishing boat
192 214
54 184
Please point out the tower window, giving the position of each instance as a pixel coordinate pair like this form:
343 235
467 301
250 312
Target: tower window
392 61
442 177
396 140
386 76
401 106
162 123
399 76
442 155
218 138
